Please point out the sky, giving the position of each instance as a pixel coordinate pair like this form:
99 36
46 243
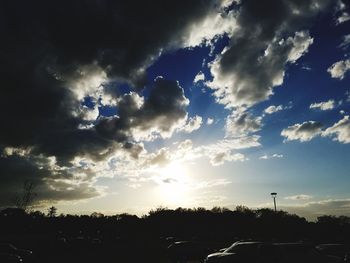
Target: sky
126 106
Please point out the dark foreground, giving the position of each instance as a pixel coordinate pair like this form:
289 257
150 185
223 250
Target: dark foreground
181 235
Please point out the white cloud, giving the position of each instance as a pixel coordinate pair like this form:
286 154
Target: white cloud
339 69
199 77
86 81
326 105
241 124
212 183
221 157
306 131
272 109
302 132
346 42
218 152
300 45
306 67
340 131
210 121
343 18
224 150
215 24
246 77
234 144
299 197
140 119
273 156
87 114
9 151
185 145
312 210
342 14
192 124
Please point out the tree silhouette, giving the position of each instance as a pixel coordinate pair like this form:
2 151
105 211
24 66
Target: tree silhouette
25 199
52 211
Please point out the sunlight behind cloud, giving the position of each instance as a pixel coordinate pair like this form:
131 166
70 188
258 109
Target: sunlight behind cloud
173 184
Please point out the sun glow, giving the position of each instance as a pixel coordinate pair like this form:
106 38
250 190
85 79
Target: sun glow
173 184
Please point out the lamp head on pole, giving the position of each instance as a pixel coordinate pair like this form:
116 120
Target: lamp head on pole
273 195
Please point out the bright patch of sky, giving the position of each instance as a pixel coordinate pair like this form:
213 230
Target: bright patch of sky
228 110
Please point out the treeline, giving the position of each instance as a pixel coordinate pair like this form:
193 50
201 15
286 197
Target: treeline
220 224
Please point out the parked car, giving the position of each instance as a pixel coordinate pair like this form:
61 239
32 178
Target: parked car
265 252
25 254
247 252
338 250
186 250
10 258
304 253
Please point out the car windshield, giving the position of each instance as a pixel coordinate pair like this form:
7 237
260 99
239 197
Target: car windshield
242 248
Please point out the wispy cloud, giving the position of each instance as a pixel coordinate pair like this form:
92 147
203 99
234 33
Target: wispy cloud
326 105
273 156
340 131
199 77
299 197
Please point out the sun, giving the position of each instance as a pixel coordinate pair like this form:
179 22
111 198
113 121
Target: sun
173 184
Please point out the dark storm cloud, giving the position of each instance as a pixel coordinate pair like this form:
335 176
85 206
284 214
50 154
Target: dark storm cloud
47 47
270 35
46 42
49 184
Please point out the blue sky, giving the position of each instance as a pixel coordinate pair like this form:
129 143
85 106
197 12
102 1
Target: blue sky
231 103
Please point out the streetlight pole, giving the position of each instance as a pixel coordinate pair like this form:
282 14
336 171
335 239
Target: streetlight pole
274 199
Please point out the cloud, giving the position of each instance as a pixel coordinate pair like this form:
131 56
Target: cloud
272 109
161 158
192 124
346 42
326 105
51 182
312 210
225 150
254 62
342 12
51 72
339 69
298 197
273 156
160 114
306 67
221 157
213 25
157 116
212 183
218 152
244 142
66 71
199 77
210 121
302 132
340 131
241 124
343 18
